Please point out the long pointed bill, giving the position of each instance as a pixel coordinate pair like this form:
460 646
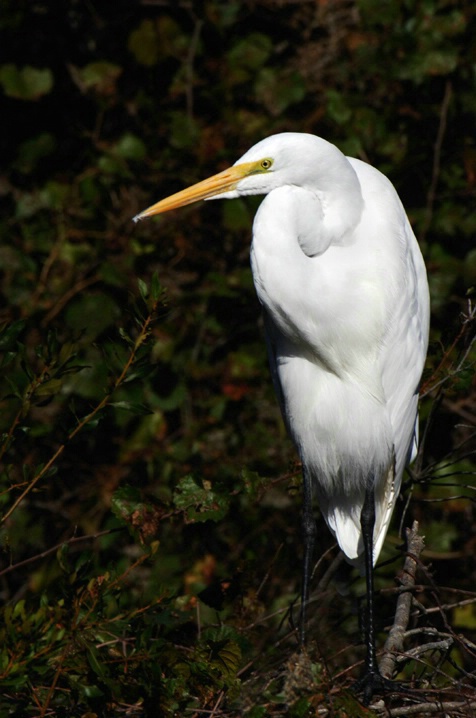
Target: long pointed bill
225 181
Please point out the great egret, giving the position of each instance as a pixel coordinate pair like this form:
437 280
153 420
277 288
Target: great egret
343 286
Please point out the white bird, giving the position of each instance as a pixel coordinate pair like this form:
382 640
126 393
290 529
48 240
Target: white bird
343 286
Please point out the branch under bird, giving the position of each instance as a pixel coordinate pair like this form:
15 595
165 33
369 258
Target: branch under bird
345 298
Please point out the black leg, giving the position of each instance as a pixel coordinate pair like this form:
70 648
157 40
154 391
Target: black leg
372 681
367 523
309 531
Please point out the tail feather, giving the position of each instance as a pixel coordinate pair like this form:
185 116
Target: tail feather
342 514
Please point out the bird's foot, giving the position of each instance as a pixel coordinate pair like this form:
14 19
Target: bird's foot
372 682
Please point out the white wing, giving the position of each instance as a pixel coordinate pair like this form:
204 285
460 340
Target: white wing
347 345
403 352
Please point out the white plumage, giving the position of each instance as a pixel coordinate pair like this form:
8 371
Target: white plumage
341 277
343 285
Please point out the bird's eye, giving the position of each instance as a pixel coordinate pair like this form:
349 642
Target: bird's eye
266 164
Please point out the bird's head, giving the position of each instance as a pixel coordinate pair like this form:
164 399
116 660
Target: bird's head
290 158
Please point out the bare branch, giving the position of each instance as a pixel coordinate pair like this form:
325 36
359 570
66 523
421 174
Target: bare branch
394 643
431 707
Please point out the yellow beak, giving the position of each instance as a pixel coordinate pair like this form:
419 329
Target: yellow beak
225 181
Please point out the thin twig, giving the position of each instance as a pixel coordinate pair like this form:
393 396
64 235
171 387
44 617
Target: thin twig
430 200
217 704
414 653
428 385
67 542
102 404
268 572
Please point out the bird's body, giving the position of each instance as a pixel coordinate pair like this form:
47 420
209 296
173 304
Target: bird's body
347 326
343 286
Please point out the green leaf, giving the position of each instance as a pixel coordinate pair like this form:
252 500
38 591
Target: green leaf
200 503
226 656
132 406
226 13
249 55
89 691
32 151
6 359
144 44
143 288
337 107
254 484
464 617
278 91
52 196
26 83
301 709
125 501
155 287
173 41
130 147
430 62
19 609
94 660
9 334
99 76
48 388
62 556
66 354
257 712
142 518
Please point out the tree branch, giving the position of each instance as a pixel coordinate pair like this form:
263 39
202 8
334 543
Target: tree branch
431 707
394 643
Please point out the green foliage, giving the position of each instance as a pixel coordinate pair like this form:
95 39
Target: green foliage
142 456
199 503
26 83
93 653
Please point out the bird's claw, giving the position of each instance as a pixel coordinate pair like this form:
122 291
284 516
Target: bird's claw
374 683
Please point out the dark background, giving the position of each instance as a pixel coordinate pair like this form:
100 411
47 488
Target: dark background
142 453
